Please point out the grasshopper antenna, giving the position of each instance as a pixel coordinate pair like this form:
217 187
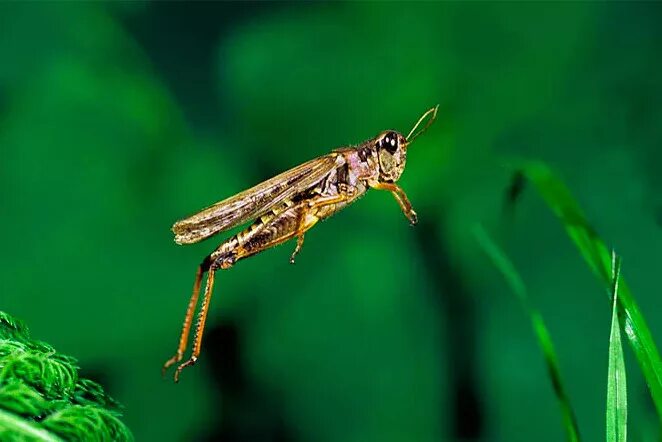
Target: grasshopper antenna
432 111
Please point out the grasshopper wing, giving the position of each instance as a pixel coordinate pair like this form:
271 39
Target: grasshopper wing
253 202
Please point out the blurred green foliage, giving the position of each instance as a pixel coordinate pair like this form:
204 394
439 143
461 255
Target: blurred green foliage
117 119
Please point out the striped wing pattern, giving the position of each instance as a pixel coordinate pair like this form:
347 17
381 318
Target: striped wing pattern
253 202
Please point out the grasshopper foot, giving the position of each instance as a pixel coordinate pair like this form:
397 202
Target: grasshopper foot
413 218
188 363
170 362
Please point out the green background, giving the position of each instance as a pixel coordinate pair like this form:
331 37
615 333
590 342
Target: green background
118 119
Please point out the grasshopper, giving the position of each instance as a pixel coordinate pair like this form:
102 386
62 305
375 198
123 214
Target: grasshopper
286 207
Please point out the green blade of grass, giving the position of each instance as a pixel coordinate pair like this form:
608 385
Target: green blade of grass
596 254
617 401
514 281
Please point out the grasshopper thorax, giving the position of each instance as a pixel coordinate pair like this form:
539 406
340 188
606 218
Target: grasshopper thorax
391 147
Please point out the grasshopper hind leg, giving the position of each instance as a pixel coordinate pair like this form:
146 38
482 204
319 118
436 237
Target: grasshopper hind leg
200 325
188 318
209 266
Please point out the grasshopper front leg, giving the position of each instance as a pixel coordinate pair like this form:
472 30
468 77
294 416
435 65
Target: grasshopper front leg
400 196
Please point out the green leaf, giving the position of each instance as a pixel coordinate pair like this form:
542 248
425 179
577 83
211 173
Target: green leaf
514 281
617 401
598 257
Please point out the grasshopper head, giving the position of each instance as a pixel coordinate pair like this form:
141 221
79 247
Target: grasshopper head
391 149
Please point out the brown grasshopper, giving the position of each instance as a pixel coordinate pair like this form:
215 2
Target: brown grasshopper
286 207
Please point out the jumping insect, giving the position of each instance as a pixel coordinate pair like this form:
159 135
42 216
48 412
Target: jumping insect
286 207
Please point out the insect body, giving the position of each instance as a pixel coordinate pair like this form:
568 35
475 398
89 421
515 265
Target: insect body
286 207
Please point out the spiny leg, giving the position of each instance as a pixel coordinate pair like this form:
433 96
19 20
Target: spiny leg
400 196
200 326
183 338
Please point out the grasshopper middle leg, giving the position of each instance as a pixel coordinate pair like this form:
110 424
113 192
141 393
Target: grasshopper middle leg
306 218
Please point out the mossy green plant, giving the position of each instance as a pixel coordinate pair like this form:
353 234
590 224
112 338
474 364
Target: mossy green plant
42 397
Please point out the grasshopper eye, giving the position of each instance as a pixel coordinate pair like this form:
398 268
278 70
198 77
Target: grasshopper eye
390 142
